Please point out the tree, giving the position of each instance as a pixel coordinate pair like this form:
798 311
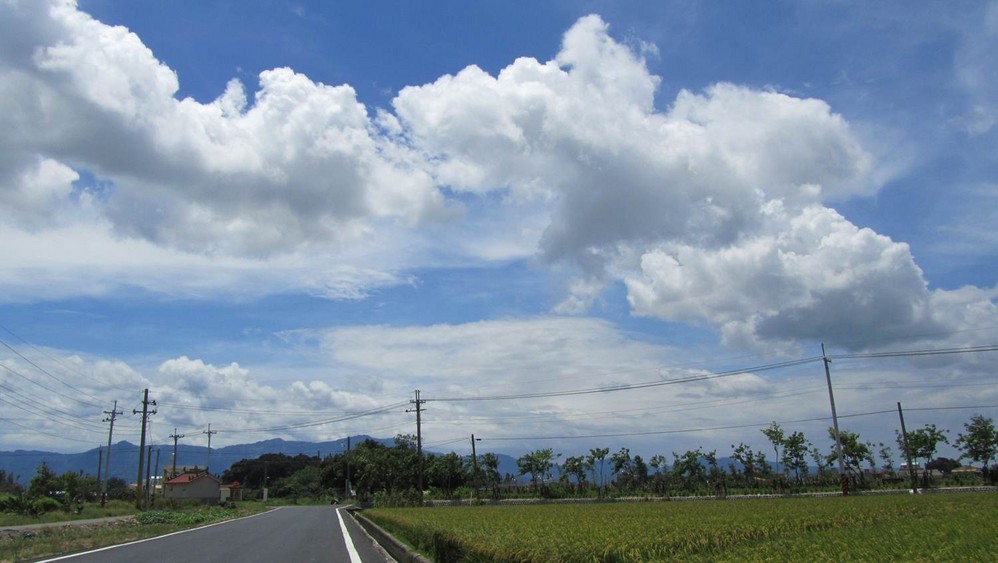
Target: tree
598 455
575 466
660 480
820 461
489 466
922 444
795 449
979 442
9 484
745 457
944 464
854 452
45 483
887 456
306 482
538 464
775 435
688 470
445 472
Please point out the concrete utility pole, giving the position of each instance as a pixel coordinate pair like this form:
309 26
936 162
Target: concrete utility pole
175 437
156 475
474 464
209 432
112 414
348 491
419 440
148 474
139 496
907 451
835 423
100 459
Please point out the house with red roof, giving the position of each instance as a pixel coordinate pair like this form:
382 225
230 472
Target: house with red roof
193 485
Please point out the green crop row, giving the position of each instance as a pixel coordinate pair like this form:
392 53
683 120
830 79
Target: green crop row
925 527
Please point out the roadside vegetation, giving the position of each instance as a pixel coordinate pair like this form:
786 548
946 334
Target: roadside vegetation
938 527
381 475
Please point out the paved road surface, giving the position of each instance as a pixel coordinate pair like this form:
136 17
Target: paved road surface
300 533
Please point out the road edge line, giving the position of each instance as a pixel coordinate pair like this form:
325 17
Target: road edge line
348 539
107 547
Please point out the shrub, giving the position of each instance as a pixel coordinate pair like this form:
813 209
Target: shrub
14 504
41 505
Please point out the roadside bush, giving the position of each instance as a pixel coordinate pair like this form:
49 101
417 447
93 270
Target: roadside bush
14 504
409 497
41 505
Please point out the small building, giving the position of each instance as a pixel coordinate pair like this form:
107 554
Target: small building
230 492
200 485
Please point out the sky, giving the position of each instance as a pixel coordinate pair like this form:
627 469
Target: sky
569 225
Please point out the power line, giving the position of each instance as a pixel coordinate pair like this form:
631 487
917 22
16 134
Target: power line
713 428
53 358
371 412
632 386
251 411
49 389
39 368
910 353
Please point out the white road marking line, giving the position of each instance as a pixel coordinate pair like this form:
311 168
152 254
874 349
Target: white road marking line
354 556
155 538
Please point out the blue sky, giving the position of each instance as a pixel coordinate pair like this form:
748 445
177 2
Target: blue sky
278 213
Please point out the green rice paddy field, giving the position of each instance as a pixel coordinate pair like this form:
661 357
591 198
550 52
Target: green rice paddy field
935 527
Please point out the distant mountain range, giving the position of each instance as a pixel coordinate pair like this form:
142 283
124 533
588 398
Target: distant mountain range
23 464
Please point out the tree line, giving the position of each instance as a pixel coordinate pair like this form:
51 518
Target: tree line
389 475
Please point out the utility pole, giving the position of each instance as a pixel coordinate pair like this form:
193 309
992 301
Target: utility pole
142 445
347 495
843 480
148 475
266 464
419 440
474 464
209 432
907 451
175 437
156 474
100 458
112 414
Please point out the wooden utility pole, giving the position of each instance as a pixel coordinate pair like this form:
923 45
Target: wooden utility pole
112 414
139 496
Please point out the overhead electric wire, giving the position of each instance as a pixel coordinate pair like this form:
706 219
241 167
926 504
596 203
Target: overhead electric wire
41 369
53 358
371 412
911 353
631 386
49 389
37 403
51 419
250 411
37 431
713 428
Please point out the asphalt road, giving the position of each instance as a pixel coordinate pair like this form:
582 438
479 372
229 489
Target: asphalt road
300 533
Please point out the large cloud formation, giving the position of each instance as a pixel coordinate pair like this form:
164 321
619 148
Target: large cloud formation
715 210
